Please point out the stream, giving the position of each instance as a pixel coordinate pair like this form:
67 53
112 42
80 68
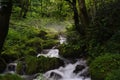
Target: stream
77 70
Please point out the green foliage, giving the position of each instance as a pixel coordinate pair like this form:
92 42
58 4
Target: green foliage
103 65
27 40
114 75
75 45
43 8
10 77
106 21
48 44
20 69
21 42
113 44
95 49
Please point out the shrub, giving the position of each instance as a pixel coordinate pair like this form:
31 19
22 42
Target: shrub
33 46
75 46
114 75
102 65
115 42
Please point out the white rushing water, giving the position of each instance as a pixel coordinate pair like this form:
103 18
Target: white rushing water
51 53
67 72
11 68
62 39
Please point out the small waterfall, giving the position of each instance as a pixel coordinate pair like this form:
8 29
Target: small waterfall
11 68
75 71
62 39
51 53
69 72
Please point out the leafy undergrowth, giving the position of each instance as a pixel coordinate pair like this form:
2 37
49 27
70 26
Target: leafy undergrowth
25 40
103 65
10 77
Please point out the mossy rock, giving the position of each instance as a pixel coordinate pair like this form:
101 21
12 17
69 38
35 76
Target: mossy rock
2 65
10 77
41 64
45 63
48 44
31 65
103 65
70 51
21 68
114 75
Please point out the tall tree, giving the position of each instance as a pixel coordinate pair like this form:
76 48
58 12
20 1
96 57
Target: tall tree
78 26
83 13
5 12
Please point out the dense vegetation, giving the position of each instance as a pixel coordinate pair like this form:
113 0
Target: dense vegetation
92 31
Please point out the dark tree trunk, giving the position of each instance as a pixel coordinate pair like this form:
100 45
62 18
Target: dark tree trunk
78 27
5 11
83 13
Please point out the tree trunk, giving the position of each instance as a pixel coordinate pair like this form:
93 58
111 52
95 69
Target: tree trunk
78 25
83 13
5 11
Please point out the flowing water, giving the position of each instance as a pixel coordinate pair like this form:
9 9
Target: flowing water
68 72
75 71
11 68
71 71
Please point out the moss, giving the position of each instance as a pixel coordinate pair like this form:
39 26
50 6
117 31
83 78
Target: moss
70 51
48 44
34 46
21 68
31 65
41 64
10 77
103 65
45 63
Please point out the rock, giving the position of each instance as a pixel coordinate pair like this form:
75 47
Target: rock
85 73
79 68
55 75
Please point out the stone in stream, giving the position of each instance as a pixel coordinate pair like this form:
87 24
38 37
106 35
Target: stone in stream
55 75
79 68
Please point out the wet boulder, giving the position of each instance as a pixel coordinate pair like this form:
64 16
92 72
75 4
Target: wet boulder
55 75
38 65
79 68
